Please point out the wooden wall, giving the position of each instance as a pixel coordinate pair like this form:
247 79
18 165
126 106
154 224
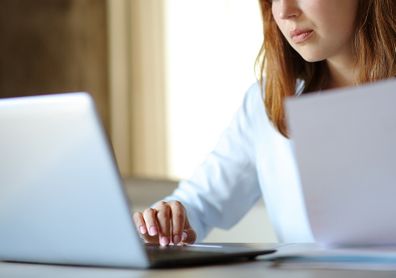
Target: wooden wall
52 46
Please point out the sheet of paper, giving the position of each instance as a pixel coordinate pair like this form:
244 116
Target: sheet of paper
346 155
315 256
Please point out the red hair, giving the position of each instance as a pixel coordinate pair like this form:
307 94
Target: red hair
374 50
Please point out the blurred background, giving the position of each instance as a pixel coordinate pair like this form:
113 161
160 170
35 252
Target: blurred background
166 75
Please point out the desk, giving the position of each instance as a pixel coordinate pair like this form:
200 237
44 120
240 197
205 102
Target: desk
137 189
247 269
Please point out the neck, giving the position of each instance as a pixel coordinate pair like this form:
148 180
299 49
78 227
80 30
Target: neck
343 72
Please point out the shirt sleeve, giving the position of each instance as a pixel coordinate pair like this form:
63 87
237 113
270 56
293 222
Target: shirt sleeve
225 186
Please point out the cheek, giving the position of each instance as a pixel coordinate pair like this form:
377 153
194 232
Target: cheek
278 21
338 30
335 16
274 15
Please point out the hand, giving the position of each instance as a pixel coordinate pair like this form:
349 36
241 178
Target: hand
164 224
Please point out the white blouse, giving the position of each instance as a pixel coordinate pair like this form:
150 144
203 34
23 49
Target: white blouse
252 159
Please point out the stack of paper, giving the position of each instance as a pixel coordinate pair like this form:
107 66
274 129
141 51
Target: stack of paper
314 256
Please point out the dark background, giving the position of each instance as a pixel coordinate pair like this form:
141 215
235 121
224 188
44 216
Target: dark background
52 46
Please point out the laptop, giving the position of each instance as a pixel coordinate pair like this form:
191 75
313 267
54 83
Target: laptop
62 199
345 143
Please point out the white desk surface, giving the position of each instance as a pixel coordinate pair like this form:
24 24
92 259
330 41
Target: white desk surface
246 269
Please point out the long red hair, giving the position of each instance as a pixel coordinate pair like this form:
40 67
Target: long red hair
281 66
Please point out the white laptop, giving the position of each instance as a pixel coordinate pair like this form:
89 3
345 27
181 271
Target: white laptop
61 197
345 142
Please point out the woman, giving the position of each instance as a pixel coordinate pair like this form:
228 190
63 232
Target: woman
309 45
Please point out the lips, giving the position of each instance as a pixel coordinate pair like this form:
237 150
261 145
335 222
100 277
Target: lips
300 35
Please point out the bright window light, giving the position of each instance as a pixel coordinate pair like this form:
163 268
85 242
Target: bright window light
211 46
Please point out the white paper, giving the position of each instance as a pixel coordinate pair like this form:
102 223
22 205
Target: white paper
314 256
346 154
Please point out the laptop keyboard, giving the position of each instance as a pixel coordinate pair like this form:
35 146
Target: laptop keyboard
194 254
199 253
177 251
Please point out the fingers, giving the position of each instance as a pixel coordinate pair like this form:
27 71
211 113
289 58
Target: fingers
178 220
150 218
147 226
164 218
139 222
165 223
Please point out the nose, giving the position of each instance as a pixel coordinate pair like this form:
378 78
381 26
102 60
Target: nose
288 9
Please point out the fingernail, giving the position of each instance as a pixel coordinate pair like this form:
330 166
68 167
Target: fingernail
142 229
164 240
176 239
184 236
153 231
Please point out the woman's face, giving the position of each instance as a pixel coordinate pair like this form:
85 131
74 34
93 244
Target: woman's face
317 29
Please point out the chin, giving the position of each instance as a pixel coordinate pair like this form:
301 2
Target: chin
312 57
